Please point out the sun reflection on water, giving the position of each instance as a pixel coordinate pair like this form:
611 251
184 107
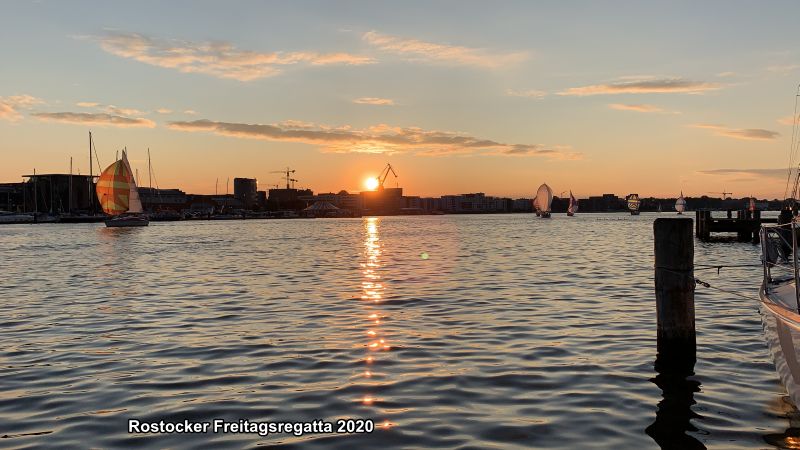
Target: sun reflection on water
372 294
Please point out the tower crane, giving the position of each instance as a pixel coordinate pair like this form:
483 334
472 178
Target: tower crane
287 173
384 174
724 194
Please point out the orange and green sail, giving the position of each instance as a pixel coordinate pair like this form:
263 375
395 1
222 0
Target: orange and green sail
116 189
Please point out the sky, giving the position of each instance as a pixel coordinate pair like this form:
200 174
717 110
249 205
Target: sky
496 97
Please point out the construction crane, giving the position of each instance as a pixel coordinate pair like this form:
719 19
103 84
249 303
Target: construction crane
293 181
384 174
724 194
287 173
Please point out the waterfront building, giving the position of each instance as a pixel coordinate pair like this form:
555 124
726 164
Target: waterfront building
58 193
246 191
163 199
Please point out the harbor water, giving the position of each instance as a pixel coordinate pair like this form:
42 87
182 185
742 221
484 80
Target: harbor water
474 331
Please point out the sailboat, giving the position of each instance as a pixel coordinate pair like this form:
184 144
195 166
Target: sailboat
680 205
633 204
573 205
119 196
544 197
780 291
752 206
536 208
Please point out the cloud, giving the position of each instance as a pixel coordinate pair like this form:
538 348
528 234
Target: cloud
783 69
87 104
190 112
164 111
100 119
377 139
788 120
748 134
770 173
442 53
643 85
374 101
10 106
726 74
111 109
530 93
642 108
217 59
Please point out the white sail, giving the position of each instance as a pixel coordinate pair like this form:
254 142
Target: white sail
752 206
573 204
544 197
680 205
134 203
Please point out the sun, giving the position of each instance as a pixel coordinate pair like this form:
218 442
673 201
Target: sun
371 183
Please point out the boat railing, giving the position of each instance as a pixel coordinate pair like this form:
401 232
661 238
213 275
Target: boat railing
779 256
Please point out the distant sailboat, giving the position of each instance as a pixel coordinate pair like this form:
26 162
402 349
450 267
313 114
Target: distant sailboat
680 205
544 197
573 205
752 206
633 204
119 196
659 207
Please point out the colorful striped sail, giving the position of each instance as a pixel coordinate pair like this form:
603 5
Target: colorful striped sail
114 188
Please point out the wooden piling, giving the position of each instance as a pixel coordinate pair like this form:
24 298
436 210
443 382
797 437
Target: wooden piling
674 283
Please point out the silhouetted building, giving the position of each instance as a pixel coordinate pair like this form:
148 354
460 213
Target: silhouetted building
289 199
383 201
51 193
163 199
246 191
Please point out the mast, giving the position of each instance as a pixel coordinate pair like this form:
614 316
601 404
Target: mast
70 185
150 170
35 193
91 178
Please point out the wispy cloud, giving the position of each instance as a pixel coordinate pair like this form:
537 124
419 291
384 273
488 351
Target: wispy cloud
100 119
770 173
218 59
642 108
190 112
375 139
788 120
10 106
529 93
112 109
647 85
726 74
783 69
163 110
374 101
442 53
748 134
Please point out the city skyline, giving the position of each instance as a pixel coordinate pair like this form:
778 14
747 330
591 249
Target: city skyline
493 98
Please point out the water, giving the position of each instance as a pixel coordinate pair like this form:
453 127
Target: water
485 331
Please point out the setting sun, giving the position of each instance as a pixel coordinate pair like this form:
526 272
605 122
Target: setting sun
371 183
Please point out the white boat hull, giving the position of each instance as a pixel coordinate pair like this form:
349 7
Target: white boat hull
782 330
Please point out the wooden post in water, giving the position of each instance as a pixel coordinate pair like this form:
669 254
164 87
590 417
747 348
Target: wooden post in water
674 280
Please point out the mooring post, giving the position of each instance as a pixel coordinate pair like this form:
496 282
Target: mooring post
674 282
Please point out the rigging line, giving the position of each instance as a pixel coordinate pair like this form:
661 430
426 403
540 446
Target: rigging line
708 285
792 146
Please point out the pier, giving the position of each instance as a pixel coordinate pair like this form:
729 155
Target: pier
746 224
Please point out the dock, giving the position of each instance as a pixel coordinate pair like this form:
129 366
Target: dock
746 224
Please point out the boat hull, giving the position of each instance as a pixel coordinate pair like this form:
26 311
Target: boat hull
782 331
127 221
545 215
570 214
635 213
